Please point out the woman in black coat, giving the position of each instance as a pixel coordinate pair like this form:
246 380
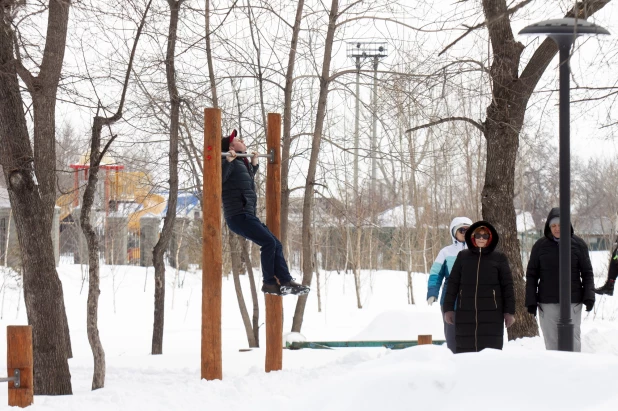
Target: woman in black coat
480 288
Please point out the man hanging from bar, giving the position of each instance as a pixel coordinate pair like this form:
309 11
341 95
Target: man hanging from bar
239 209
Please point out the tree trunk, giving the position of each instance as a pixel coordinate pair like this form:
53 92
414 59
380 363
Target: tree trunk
177 246
287 127
357 288
260 71
211 69
254 295
236 249
96 154
317 281
43 91
502 144
98 376
313 161
30 178
505 116
358 265
170 216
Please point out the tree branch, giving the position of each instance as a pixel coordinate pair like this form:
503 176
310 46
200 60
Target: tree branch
388 20
118 114
548 49
478 26
476 124
348 7
23 72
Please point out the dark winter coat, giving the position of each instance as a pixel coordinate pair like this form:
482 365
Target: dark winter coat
543 275
612 272
238 192
480 288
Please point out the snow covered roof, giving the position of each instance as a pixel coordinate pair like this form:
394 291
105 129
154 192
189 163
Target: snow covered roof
394 217
187 203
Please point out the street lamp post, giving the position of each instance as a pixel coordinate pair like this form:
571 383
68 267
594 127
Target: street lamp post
564 32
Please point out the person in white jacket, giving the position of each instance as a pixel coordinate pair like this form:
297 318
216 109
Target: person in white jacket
441 269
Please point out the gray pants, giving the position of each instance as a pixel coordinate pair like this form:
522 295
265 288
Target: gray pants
549 315
449 333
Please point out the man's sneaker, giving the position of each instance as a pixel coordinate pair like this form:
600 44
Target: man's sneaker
607 288
292 287
273 289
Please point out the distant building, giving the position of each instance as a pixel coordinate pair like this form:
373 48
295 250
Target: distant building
598 232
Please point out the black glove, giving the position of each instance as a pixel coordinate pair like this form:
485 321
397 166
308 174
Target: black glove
589 305
532 309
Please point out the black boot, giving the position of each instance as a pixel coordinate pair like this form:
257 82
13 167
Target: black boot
607 288
273 289
292 287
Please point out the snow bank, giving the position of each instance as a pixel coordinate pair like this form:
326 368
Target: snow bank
523 376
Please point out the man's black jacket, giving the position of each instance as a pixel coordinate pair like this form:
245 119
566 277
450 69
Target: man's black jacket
542 274
238 193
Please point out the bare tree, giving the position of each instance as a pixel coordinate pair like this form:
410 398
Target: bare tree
238 246
511 91
315 150
96 154
29 170
211 70
505 117
237 249
287 126
172 201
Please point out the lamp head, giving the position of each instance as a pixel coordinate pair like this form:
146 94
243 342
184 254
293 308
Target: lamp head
563 27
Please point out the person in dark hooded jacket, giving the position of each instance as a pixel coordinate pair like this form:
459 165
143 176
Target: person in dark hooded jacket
239 209
543 279
480 288
441 269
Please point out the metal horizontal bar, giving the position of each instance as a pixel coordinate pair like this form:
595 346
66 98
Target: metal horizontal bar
226 154
270 156
15 378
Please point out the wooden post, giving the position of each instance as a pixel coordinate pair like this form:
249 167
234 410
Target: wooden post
212 368
424 339
19 356
274 306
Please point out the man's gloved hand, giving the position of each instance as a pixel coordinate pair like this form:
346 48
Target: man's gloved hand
532 309
431 300
232 156
589 305
449 317
509 319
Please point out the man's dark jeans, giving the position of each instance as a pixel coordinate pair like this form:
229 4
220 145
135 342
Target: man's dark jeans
273 262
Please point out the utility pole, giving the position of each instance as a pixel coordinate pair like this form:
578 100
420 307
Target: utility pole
360 51
356 127
374 125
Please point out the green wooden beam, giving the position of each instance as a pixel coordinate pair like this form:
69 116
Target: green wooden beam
327 345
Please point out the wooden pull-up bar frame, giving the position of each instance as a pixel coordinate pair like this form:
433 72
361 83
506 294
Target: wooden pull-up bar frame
211 365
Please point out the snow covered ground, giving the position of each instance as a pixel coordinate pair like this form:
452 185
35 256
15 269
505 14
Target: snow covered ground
522 376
